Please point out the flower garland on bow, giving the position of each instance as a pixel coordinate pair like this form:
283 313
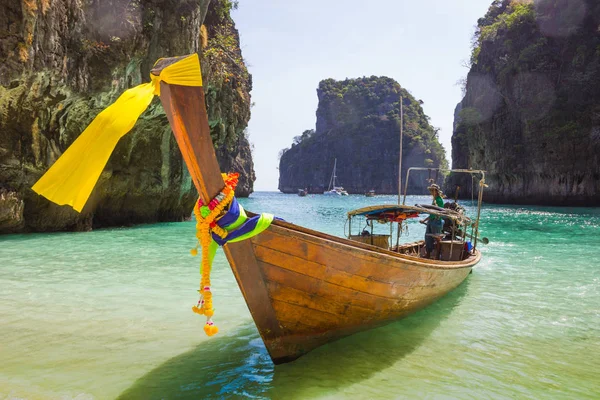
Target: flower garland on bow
206 217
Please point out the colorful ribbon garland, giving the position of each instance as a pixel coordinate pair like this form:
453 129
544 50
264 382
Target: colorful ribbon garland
215 227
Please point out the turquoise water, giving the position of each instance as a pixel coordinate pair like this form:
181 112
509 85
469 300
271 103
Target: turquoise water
106 314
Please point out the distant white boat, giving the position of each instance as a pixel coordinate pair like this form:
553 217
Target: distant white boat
335 190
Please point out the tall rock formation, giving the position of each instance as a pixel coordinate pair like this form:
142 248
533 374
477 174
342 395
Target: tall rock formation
531 113
358 122
64 61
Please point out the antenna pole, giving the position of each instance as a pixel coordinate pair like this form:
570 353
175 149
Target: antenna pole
400 156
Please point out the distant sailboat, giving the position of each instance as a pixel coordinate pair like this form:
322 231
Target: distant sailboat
335 190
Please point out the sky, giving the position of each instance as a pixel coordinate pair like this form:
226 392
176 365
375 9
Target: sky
290 46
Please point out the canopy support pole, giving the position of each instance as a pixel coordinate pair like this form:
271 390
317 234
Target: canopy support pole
400 156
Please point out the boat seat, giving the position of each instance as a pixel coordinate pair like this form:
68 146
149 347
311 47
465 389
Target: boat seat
451 250
437 240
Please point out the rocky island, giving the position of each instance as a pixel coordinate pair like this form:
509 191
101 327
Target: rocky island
531 112
64 62
358 123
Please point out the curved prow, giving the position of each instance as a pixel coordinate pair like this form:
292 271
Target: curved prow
186 110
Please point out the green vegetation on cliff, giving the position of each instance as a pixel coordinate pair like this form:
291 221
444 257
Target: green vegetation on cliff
66 61
227 86
531 113
358 122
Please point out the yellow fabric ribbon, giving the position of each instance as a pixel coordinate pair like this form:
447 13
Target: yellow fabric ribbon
73 176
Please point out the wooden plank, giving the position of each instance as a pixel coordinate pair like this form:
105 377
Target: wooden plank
325 289
316 288
289 229
333 302
295 327
347 261
328 273
285 293
186 112
319 320
253 286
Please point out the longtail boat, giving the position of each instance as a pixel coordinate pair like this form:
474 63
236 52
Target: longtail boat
305 288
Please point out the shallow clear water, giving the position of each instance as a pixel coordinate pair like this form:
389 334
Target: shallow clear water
106 314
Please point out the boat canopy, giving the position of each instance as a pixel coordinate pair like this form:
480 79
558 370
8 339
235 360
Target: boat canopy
374 210
398 213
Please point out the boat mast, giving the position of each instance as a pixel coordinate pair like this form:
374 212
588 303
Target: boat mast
334 172
400 156
332 180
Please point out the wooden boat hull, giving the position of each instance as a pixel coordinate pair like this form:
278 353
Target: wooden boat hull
305 288
319 288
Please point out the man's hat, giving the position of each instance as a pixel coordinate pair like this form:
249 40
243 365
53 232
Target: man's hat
434 186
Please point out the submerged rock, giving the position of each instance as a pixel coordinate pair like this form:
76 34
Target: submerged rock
65 61
358 122
531 113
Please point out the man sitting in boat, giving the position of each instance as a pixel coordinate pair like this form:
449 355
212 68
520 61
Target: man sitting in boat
434 222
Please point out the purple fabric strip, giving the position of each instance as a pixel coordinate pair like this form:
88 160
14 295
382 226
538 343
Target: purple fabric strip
231 216
246 227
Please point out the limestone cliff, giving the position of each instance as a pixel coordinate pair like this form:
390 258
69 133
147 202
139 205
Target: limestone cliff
531 113
63 61
358 123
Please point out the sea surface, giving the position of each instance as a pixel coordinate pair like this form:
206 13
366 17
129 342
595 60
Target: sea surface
107 314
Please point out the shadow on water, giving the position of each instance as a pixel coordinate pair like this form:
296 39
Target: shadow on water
239 365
